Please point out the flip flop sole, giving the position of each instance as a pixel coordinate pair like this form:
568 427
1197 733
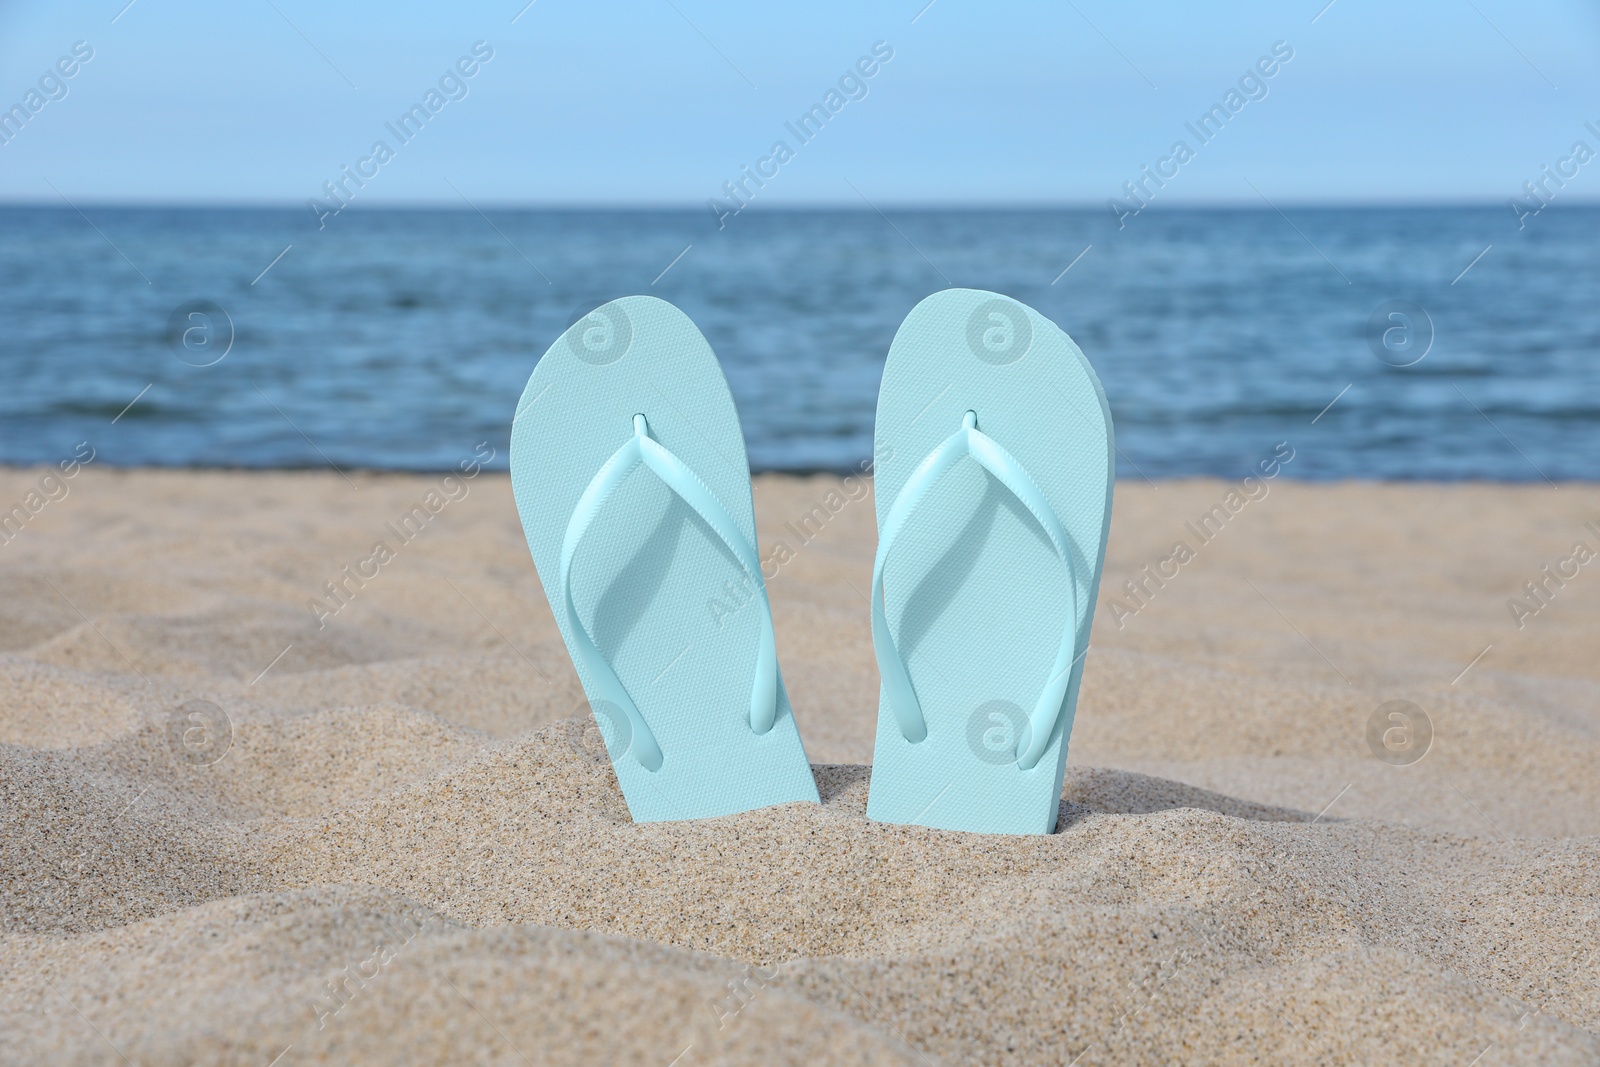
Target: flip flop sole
666 602
977 597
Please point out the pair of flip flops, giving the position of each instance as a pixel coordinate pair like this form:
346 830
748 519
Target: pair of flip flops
993 484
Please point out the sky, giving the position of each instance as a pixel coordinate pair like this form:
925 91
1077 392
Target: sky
661 102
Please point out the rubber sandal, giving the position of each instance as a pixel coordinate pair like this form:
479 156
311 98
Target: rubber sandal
630 476
993 489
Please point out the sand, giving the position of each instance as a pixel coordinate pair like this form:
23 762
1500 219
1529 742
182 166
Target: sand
397 841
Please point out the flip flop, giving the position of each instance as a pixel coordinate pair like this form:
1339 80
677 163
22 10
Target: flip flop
630 476
993 490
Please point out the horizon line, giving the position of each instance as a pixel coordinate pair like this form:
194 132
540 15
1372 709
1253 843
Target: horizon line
1232 204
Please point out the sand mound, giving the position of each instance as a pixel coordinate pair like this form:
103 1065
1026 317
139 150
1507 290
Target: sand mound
351 975
402 847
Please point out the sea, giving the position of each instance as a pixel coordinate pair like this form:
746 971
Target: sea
1380 343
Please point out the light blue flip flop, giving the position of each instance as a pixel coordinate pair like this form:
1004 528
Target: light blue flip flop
630 475
993 487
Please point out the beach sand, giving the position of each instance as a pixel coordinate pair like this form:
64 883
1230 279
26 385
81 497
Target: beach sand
399 840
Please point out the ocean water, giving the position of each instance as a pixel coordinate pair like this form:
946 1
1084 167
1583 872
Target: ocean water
400 339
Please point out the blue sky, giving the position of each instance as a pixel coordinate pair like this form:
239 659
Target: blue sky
662 101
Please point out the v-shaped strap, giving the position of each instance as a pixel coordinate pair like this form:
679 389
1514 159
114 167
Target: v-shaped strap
970 441
641 448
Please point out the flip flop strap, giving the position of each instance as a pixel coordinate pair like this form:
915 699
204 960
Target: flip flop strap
641 448
970 441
